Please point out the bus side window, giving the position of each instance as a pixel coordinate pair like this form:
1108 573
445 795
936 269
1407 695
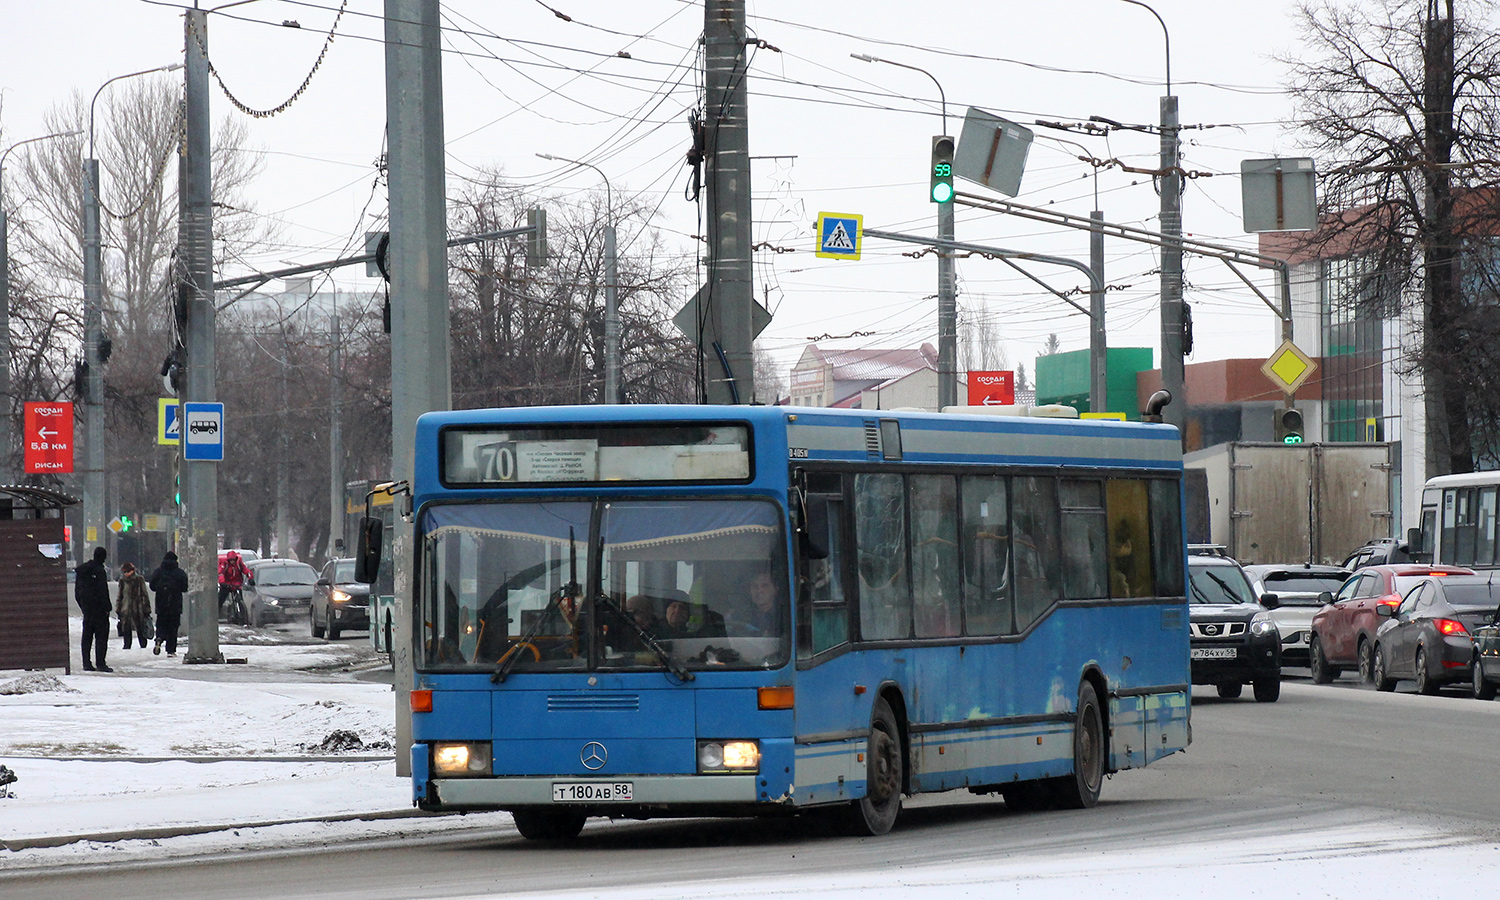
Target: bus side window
1037 560
934 554
1129 538
1166 537
989 595
1085 557
880 539
822 604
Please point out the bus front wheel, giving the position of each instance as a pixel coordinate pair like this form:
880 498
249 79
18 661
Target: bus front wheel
875 813
548 824
1081 789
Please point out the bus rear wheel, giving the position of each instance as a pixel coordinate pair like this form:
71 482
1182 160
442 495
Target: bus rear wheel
885 774
548 824
1081 789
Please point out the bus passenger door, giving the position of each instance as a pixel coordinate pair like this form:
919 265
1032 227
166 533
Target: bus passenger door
830 730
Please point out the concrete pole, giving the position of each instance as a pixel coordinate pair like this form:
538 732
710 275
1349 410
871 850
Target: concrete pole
198 517
947 313
335 441
93 384
420 363
283 478
611 316
1172 371
1098 350
730 293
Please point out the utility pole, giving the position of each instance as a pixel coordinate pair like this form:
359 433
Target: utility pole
420 361
947 311
1172 369
283 479
1098 352
93 375
335 441
198 516
726 302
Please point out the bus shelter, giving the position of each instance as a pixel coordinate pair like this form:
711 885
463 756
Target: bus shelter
34 589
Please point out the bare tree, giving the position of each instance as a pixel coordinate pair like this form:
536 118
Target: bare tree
1402 94
524 337
136 133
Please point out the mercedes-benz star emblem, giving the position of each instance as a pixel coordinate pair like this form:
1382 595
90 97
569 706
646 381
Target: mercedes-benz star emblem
593 755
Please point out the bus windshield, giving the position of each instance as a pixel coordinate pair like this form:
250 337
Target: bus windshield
702 582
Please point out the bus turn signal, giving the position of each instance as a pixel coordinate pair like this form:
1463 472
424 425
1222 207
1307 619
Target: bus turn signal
777 697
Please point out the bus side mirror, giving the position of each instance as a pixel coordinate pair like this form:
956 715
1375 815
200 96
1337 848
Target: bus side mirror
1414 540
815 528
367 550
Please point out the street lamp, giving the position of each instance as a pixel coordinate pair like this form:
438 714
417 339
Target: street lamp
93 326
947 300
1172 372
611 286
6 404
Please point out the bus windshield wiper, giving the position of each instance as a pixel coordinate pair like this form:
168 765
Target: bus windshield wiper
508 661
650 643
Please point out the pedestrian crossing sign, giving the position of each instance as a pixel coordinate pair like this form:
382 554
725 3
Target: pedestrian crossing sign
839 235
168 424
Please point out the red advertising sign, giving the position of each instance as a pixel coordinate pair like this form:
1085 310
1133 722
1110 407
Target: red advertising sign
992 388
48 439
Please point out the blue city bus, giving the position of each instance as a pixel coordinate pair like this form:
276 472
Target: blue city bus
649 611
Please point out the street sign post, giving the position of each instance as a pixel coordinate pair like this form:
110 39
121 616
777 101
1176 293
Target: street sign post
203 431
839 235
168 421
49 438
994 388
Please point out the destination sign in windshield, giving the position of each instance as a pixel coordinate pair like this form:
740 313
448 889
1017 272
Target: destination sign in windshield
591 453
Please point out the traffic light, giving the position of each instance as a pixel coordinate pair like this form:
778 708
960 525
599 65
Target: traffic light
1289 426
942 170
126 523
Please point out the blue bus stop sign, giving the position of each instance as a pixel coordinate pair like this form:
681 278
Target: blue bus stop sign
203 431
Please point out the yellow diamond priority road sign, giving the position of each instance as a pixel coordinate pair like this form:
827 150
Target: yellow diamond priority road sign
1288 367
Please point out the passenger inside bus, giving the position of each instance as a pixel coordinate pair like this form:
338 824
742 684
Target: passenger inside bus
759 614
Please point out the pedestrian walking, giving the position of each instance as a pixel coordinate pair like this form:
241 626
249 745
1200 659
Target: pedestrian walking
170 583
133 606
91 593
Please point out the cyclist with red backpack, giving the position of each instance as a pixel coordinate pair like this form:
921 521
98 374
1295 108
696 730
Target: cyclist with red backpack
232 576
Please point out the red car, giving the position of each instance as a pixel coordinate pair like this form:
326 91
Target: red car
1343 632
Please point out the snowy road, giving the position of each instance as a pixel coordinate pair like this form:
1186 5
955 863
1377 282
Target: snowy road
1332 792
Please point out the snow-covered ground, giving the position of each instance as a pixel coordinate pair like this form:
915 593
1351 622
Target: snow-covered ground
160 758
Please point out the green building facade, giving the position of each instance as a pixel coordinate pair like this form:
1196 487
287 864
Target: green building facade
1064 378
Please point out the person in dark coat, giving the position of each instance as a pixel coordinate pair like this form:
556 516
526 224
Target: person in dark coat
170 583
91 592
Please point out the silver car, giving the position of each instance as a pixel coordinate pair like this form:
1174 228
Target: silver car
1300 592
278 590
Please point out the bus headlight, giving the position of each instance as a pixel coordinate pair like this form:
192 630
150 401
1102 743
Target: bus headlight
728 756
460 760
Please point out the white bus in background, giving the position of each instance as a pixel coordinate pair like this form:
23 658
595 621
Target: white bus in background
1458 521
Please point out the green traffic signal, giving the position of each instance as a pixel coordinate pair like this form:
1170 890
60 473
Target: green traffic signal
126 523
941 182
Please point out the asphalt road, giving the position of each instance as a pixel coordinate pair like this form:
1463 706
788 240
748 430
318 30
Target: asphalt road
1321 757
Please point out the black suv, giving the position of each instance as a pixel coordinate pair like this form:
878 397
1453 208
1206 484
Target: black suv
1234 640
339 601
